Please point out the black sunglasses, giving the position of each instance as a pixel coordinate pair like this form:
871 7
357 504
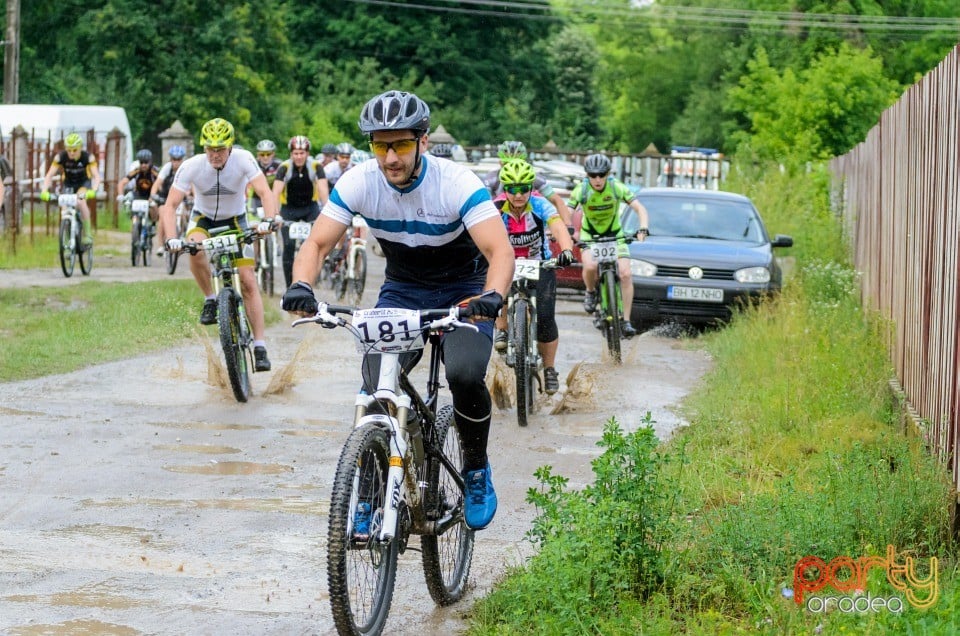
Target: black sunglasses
594 175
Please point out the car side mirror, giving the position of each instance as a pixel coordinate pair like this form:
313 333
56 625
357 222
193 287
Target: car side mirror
782 240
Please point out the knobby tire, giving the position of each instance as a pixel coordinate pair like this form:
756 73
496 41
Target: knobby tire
85 252
68 254
134 240
611 317
228 317
361 572
447 557
522 366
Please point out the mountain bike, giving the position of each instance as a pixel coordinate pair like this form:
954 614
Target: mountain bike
398 473
349 276
609 310
268 255
181 218
71 237
523 354
141 230
224 248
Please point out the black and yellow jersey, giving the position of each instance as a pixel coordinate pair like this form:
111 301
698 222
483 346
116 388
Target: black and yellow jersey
76 172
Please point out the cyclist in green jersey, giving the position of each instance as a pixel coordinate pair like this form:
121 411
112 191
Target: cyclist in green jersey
599 196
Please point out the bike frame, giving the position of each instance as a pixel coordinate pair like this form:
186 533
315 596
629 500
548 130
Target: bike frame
395 396
357 243
524 288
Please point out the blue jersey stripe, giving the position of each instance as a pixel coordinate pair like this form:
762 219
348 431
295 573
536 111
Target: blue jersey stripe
414 227
335 198
475 199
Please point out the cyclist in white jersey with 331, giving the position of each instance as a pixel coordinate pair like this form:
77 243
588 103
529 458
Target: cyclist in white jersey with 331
219 180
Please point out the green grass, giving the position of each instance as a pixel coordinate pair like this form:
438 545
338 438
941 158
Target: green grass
59 329
39 248
794 449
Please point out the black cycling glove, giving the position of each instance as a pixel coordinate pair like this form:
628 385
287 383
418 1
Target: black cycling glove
299 298
565 258
486 305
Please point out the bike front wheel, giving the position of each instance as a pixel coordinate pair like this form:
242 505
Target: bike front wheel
68 253
268 265
447 556
611 314
523 364
361 569
231 340
84 252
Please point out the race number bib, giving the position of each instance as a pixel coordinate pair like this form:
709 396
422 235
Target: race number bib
140 205
388 330
299 230
224 244
526 268
604 252
67 200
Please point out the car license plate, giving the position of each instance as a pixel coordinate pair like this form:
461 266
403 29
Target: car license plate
702 294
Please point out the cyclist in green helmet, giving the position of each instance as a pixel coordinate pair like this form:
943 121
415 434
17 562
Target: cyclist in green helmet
599 196
80 175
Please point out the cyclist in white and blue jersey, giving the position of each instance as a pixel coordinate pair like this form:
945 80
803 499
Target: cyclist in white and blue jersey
445 245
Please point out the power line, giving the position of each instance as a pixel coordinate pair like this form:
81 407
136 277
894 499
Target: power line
700 17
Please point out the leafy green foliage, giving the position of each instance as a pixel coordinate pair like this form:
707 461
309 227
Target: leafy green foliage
598 545
819 112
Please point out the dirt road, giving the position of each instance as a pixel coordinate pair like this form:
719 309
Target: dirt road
138 497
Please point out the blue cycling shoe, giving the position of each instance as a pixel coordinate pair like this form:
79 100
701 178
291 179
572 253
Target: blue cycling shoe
361 522
481 500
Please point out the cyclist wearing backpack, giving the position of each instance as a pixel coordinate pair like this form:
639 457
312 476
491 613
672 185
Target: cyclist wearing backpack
599 195
297 188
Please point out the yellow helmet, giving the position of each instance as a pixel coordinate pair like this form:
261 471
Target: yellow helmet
217 133
73 141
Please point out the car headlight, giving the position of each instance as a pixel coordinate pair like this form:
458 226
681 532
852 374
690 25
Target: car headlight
752 275
642 268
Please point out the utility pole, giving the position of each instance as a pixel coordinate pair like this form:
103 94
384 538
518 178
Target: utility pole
11 54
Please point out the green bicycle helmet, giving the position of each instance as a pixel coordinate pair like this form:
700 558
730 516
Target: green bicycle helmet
517 172
73 141
511 150
217 133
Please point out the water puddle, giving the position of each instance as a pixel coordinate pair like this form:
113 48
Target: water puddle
6 410
314 433
232 468
79 627
208 426
295 505
116 534
101 600
198 448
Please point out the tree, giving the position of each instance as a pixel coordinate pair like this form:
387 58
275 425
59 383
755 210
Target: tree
815 113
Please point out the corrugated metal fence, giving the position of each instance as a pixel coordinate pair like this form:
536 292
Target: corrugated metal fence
898 196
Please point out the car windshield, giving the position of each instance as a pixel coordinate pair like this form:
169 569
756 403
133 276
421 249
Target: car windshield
704 218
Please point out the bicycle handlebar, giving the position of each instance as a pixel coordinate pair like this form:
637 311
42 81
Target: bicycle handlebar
431 320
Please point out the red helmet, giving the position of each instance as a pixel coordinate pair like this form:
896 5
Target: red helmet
299 142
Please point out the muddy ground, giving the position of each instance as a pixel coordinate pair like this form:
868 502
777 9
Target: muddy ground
137 497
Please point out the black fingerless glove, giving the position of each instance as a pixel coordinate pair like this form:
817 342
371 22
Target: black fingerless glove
486 305
565 258
299 297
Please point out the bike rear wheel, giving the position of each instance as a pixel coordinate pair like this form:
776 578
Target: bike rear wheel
68 253
231 340
361 570
611 317
357 283
522 366
446 557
